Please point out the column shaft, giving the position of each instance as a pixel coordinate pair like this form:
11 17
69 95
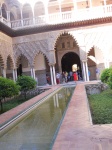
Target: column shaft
15 74
4 72
87 76
31 73
21 18
54 75
13 71
84 71
51 72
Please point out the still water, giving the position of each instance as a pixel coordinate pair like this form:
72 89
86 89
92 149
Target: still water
36 132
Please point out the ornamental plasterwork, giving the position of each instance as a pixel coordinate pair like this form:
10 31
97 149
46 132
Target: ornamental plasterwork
5 38
102 40
30 49
6 50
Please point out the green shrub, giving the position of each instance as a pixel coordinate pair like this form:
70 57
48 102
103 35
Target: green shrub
105 75
110 80
26 83
8 88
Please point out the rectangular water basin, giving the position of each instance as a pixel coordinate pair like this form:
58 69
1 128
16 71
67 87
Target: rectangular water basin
38 130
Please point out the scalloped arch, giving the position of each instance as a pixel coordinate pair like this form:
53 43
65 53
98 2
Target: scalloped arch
1 60
17 60
3 3
11 61
60 34
93 47
40 52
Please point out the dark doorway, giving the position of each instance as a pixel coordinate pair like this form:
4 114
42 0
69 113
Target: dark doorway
19 70
68 60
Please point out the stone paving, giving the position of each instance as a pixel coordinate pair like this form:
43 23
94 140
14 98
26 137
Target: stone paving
77 131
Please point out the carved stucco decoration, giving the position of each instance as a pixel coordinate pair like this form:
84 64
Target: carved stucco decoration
5 51
101 40
30 50
79 39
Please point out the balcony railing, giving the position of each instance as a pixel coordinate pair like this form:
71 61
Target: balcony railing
63 17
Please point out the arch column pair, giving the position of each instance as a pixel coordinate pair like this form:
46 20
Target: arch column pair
32 72
53 74
14 74
85 70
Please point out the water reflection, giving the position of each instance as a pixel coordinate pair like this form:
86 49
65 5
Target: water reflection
37 130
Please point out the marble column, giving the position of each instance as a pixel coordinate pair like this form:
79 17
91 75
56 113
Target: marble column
51 73
46 14
87 76
8 18
33 15
4 72
54 74
32 72
15 73
84 71
21 17
0 10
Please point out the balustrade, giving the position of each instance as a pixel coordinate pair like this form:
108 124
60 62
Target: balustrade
55 18
109 8
27 22
40 20
16 24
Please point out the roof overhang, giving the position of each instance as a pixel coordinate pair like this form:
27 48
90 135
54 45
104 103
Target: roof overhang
46 28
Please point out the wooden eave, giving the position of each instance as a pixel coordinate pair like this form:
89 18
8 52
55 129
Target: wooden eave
46 28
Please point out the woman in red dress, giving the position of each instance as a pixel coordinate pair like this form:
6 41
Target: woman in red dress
75 76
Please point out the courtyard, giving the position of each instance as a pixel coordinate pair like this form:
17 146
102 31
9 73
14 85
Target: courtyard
77 131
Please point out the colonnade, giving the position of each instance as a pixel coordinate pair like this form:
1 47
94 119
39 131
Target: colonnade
32 70
52 72
45 8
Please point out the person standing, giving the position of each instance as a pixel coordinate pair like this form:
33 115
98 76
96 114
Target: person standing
89 73
58 78
66 76
71 75
63 77
97 73
75 76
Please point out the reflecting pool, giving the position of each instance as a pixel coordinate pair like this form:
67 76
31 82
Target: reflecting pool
37 130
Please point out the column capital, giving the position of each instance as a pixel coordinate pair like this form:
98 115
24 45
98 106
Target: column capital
84 60
32 66
51 64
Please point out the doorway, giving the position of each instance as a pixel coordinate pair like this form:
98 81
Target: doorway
68 60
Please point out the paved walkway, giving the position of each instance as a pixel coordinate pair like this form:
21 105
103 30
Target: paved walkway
77 132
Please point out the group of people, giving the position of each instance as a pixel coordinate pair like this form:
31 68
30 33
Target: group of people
71 76
65 77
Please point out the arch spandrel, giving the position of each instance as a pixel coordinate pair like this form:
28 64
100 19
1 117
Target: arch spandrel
59 34
19 58
46 56
2 62
10 62
31 49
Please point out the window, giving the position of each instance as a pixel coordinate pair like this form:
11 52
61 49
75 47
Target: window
74 44
63 45
68 44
